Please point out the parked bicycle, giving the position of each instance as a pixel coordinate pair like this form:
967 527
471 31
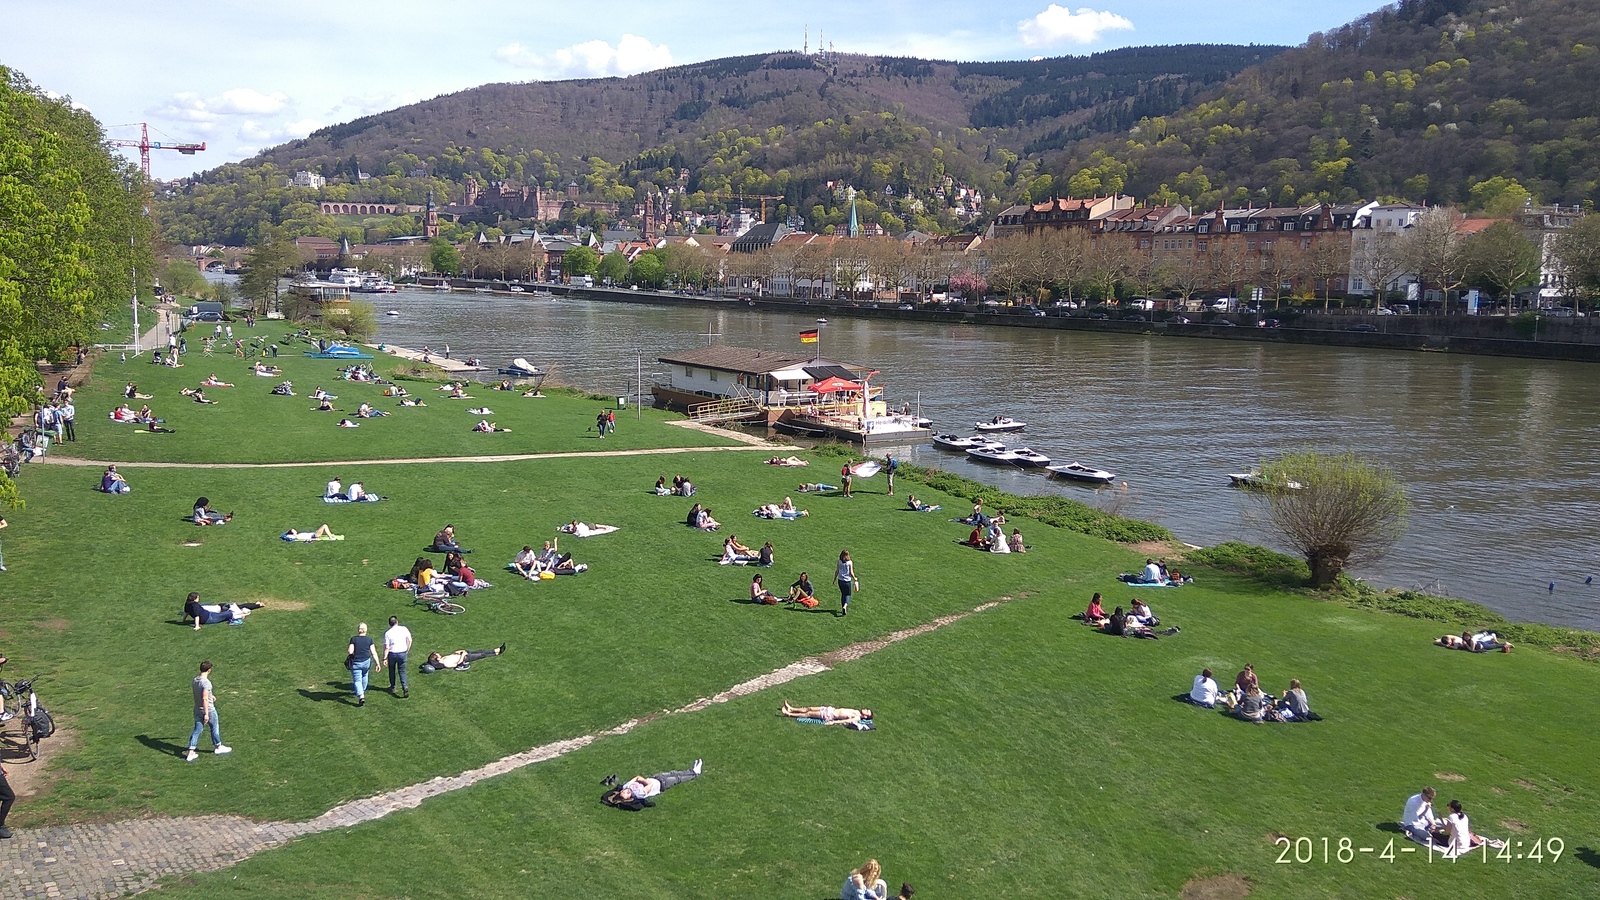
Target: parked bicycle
18 701
439 602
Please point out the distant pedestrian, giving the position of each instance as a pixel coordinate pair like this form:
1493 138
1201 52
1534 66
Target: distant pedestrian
363 654
600 423
205 715
611 421
124 358
891 465
69 419
844 477
229 332
396 644
7 797
446 351
848 582
183 346
2 569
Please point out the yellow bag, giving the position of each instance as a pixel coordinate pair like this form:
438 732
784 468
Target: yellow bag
547 576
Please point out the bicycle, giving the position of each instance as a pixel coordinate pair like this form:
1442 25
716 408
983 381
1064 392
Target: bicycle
440 604
36 721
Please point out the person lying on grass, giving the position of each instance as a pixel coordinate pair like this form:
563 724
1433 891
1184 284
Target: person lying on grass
365 411
458 660
317 393
488 427
198 395
265 371
583 529
205 515
564 565
410 402
787 461
917 505
760 594
213 381
1482 642
813 487
215 613
481 411
779 511
323 405
459 394
346 423
323 533
639 791
285 389
830 715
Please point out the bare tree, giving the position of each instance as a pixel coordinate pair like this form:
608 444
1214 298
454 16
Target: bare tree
1230 264
1577 252
1434 249
1504 259
1334 509
1379 260
1191 274
1328 258
1108 262
1281 263
885 260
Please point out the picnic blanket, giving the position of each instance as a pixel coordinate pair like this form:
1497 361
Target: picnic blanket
587 530
1131 579
865 469
367 498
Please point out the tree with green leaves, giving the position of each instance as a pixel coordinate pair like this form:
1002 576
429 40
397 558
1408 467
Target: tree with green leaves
1334 509
1577 252
1503 259
613 267
181 277
648 270
443 257
273 257
580 261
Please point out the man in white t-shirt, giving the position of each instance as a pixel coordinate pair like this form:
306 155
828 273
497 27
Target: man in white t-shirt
1419 820
1204 692
396 644
335 489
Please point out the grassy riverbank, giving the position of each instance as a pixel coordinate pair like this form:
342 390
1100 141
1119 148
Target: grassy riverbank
1018 753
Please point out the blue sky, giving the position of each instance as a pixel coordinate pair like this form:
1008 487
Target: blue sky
242 75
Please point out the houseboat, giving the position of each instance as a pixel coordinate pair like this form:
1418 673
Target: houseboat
787 391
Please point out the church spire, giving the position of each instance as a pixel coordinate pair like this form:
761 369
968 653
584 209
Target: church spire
430 219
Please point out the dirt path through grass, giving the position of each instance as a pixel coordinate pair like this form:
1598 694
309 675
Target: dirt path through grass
113 859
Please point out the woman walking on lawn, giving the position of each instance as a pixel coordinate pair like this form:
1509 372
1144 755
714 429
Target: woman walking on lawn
848 582
363 655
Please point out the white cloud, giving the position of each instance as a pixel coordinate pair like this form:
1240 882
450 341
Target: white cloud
590 59
275 132
1057 25
189 106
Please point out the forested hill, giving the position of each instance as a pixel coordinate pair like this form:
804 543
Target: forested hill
1475 102
781 124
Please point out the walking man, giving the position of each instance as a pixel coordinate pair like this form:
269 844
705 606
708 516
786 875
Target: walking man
396 644
205 715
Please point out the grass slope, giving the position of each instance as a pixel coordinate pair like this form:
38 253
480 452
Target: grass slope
1018 753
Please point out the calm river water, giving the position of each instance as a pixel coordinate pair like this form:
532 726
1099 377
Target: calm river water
1500 454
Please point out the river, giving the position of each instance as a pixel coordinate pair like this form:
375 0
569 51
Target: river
1499 455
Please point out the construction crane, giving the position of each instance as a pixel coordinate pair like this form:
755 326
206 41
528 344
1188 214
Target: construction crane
737 195
145 145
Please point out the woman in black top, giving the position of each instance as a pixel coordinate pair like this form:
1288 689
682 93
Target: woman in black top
1118 623
363 655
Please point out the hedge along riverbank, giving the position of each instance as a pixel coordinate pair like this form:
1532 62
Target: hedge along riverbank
1288 573
1059 512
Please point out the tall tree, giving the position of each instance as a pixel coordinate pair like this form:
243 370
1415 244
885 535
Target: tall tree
1577 252
443 257
1504 259
1379 260
1434 249
272 257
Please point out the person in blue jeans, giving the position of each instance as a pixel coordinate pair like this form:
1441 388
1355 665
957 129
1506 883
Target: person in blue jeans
363 655
205 715
396 645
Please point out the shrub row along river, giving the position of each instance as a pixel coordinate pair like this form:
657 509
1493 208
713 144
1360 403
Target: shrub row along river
1499 454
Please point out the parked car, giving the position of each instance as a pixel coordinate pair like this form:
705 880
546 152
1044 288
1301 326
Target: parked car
1037 313
1385 311
1363 327
1134 317
1225 323
906 306
1099 314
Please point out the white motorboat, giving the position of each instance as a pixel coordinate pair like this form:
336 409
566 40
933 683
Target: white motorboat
443 288
1077 472
522 367
822 321
953 441
1001 423
480 290
392 312
994 454
1255 481
1030 458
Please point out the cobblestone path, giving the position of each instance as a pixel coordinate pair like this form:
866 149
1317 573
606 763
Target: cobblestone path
113 859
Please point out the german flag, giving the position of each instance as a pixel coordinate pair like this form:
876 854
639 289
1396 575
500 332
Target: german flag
808 337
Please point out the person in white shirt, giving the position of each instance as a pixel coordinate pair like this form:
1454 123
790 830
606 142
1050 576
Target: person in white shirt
1420 822
641 788
356 492
527 563
335 489
1204 692
1462 840
1152 572
396 644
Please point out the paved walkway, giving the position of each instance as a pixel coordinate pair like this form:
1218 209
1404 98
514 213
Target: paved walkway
110 860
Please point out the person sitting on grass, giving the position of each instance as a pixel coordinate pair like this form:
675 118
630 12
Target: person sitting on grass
801 591
323 405
1462 840
121 414
829 715
215 613
445 541
865 884
917 505
1293 705
1420 822
1204 692
705 522
1141 613
421 574
1095 615
487 427
457 566
735 553
285 389
995 537
410 402
977 539
661 487
639 792
346 423
335 490
459 393
1246 680
395 390
323 533
1117 623
760 594
205 515
458 660
112 482
1015 541
265 371
526 563
131 392
213 381
1253 706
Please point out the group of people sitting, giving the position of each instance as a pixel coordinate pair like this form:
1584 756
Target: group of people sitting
784 510
1452 835
737 554
454 580
1479 642
801 592
112 482
336 492
681 487
143 417
544 564
992 538
1138 622
1247 702
700 517
1155 574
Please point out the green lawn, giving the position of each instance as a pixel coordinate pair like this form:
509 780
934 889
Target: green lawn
1018 754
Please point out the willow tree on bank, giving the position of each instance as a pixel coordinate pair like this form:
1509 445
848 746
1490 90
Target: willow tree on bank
1334 509
72 230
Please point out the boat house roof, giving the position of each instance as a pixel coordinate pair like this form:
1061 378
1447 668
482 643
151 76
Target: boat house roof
752 362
